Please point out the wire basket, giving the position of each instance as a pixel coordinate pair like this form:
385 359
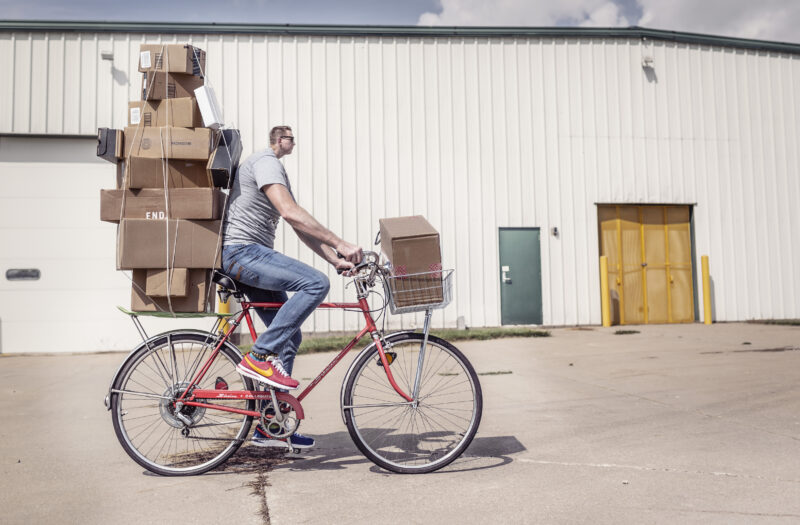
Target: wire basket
417 292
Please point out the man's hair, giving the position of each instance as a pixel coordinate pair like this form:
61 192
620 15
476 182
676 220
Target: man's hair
277 132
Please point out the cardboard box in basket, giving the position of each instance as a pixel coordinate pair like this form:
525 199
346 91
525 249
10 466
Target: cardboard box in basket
411 244
160 86
168 243
199 295
169 142
173 58
151 203
175 112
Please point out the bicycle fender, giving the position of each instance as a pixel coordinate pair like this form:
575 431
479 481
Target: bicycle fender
387 340
146 343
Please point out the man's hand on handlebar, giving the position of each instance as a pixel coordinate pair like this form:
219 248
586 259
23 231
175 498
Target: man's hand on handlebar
344 267
350 252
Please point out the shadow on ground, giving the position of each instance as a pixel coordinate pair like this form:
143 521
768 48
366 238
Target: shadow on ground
336 451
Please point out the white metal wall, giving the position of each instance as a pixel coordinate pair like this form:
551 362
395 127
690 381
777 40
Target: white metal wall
482 133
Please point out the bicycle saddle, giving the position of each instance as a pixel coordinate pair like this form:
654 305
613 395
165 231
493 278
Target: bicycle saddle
226 282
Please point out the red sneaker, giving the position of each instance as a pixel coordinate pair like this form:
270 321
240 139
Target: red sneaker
269 372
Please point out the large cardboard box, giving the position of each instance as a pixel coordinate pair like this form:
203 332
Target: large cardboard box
153 203
411 244
168 243
143 172
199 296
176 112
169 142
172 58
160 86
110 144
167 283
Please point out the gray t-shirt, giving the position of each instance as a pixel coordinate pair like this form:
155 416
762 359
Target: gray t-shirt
251 217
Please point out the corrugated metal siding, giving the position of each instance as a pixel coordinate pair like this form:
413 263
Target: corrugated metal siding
480 133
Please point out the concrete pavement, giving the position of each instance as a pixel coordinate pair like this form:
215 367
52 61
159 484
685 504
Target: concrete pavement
678 423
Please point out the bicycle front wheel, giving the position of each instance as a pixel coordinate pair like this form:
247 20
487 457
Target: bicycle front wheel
182 442
405 437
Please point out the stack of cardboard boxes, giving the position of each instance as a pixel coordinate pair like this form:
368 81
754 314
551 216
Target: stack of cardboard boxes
172 159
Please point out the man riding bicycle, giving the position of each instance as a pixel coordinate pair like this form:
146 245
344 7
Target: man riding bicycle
260 196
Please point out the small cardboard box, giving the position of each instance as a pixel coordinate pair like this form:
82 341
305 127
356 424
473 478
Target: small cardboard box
199 294
160 86
411 244
169 143
110 144
164 283
168 243
172 58
176 112
143 172
151 203
224 159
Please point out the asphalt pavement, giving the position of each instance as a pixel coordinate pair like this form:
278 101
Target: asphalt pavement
674 424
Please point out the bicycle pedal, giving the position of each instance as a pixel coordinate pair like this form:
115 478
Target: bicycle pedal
390 357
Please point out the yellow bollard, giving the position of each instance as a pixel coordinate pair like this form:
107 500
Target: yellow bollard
605 304
224 308
706 290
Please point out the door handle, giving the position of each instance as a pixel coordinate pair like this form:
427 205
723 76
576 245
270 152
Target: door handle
505 278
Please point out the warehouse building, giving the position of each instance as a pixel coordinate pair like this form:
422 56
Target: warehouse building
533 151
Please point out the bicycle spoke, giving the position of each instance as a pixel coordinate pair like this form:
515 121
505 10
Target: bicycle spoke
418 437
147 419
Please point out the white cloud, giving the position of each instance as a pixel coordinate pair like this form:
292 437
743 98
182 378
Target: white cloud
524 13
763 19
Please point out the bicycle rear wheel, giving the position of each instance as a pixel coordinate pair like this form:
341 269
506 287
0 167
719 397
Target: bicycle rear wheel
193 440
395 434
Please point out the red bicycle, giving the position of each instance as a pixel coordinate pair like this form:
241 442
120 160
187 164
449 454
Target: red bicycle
411 401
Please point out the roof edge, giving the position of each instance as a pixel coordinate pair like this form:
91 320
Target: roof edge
413 31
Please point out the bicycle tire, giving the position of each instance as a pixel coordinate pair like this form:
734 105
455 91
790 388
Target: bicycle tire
406 439
161 367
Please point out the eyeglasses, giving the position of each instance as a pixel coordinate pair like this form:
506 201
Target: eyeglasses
288 137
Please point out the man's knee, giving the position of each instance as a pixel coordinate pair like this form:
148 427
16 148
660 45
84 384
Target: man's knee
321 284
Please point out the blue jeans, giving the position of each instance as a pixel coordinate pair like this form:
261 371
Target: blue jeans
265 276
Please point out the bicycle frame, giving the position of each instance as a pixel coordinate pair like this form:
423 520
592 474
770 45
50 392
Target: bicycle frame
193 395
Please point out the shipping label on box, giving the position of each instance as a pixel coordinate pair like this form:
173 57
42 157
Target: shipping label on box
143 172
169 142
176 112
168 243
153 203
199 296
160 86
411 244
166 283
172 58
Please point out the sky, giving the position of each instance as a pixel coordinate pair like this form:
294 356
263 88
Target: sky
762 19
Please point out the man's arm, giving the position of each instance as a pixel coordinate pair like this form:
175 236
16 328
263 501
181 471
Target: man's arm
310 231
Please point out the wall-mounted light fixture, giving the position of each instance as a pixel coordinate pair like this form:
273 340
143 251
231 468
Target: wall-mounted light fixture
647 62
107 55
554 231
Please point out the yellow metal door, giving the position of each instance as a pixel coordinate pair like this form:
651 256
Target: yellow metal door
649 263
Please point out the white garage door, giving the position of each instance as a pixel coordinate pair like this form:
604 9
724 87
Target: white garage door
49 221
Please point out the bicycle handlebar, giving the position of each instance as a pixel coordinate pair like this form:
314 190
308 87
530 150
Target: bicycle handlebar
365 263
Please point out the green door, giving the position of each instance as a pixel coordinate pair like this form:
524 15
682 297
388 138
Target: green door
520 276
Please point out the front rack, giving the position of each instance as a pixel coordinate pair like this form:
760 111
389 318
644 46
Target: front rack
417 292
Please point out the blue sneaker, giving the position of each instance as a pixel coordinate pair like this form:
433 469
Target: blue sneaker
262 439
